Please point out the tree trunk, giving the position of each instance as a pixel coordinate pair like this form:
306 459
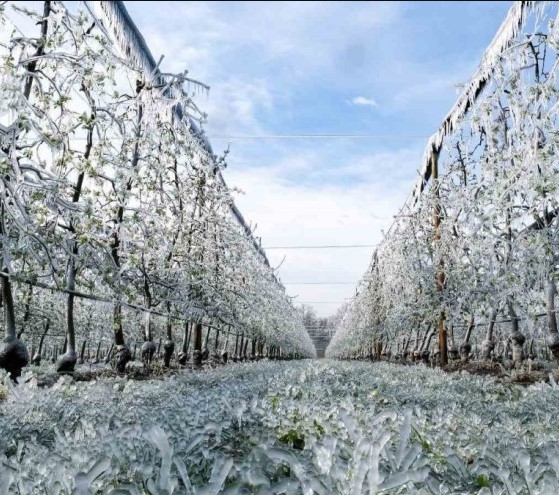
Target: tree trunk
147 326
225 351
216 345
488 344
205 350
117 324
148 347
13 352
123 351
189 330
81 359
27 311
517 338
97 353
426 344
236 355
183 355
109 354
466 347
37 357
32 66
67 361
169 346
197 354
241 345
378 347
552 337
453 352
417 340
531 354
426 337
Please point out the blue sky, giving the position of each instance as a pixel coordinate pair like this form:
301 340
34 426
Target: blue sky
389 69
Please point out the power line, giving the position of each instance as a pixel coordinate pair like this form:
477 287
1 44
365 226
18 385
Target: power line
319 283
318 136
319 302
289 136
323 246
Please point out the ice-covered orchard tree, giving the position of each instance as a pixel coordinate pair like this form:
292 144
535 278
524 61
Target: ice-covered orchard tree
395 300
195 239
257 302
58 88
38 74
496 187
124 190
505 150
85 121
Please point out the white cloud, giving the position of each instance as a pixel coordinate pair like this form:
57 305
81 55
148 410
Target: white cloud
288 37
234 104
290 213
364 101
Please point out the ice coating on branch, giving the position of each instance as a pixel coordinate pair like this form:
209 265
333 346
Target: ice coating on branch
506 34
122 29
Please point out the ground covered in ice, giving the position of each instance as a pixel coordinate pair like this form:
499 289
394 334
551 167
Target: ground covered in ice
321 427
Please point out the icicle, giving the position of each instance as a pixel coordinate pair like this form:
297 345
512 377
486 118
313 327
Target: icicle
507 32
123 29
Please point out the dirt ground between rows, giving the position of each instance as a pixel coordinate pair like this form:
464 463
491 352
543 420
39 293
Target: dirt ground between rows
525 376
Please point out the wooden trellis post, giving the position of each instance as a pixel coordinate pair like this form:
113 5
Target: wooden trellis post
440 276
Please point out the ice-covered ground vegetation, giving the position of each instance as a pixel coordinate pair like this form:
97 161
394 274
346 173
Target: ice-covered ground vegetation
299 427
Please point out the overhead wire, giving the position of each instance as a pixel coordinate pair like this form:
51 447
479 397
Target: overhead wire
319 283
325 246
318 136
299 136
319 302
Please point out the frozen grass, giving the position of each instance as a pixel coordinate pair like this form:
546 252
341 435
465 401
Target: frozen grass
292 427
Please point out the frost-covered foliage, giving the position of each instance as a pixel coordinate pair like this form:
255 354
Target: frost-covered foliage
107 192
480 243
301 427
